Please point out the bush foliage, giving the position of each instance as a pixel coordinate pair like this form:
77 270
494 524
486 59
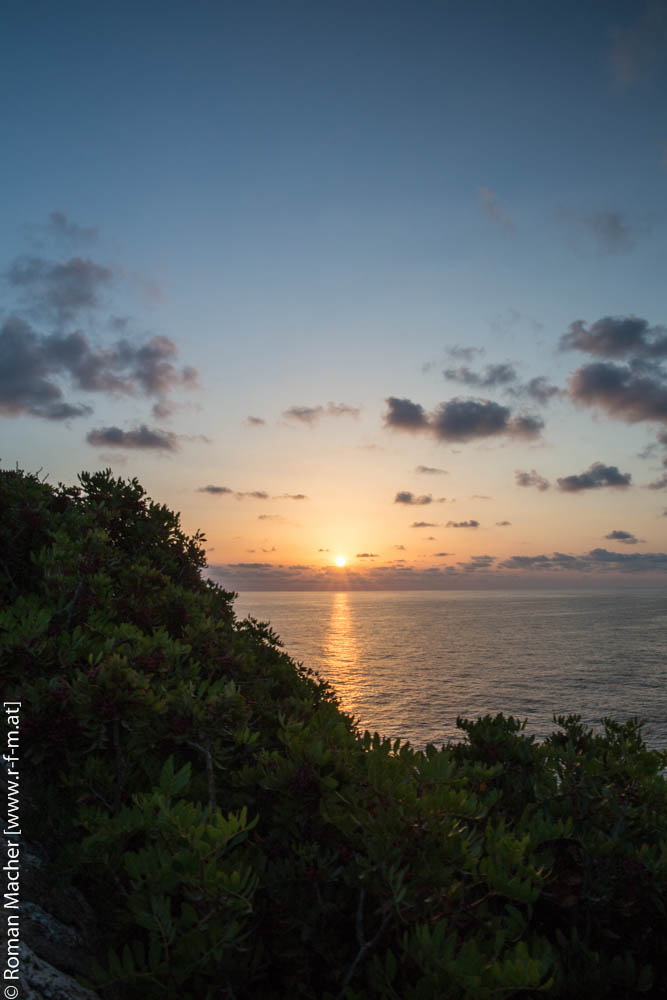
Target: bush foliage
239 838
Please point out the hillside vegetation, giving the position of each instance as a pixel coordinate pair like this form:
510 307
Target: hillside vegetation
237 836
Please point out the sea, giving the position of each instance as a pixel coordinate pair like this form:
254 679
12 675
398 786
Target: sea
406 664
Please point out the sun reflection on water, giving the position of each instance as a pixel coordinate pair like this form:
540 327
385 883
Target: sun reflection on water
340 642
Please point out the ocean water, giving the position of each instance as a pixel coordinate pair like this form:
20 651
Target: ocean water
407 663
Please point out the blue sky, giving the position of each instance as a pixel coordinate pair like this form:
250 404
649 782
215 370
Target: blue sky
299 211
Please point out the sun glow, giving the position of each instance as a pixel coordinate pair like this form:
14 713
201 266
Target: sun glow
340 560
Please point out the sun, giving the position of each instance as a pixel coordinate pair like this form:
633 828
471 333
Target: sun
340 560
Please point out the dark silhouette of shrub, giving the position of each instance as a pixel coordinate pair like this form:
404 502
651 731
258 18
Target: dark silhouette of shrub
239 838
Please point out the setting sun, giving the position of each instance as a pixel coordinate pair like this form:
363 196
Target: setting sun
340 560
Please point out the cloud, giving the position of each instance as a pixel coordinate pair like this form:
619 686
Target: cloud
466 419
464 353
493 210
366 555
442 554
33 364
461 419
251 494
162 410
491 377
597 476
630 392
616 337
503 524
342 410
270 517
306 414
538 389
401 548
60 227
622 536
424 524
637 51
463 524
477 563
613 234
403 414
406 497
59 291
215 490
597 563
661 483
428 470
597 560
141 437
531 478
311 414
255 421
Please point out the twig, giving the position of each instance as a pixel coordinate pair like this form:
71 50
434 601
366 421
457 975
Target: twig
209 771
365 946
120 767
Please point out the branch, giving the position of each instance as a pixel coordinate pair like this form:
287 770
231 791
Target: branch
209 771
365 946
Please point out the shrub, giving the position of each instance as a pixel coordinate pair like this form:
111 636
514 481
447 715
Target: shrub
238 837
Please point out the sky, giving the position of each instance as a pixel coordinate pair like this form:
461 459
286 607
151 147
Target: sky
373 282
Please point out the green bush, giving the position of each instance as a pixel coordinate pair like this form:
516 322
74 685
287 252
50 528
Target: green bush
239 838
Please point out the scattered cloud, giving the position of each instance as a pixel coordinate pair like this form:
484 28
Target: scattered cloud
424 524
477 563
639 50
503 524
463 524
491 377
616 337
397 576
60 227
401 548
630 392
366 555
429 470
661 483
531 478
464 353
141 437
494 212
33 366
214 490
405 497
250 494
597 476
613 233
623 536
255 421
270 517
403 414
57 291
600 560
461 419
537 389
466 419
442 555
310 415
